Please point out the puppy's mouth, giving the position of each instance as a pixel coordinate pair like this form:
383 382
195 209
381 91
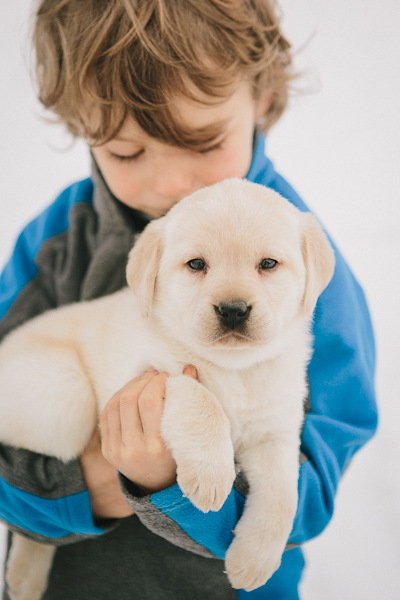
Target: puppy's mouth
231 327
232 339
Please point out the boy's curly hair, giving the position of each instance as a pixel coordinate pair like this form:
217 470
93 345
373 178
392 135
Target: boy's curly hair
99 61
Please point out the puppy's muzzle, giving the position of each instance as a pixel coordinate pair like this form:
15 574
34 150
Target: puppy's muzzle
232 314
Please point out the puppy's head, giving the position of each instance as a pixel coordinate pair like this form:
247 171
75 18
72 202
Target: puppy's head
230 267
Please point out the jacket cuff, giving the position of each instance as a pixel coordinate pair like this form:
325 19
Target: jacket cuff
170 514
155 512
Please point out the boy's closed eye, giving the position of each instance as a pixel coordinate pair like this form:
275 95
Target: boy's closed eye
129 157
136 155
216 146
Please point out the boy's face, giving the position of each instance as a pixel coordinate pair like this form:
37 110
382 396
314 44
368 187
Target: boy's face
151 176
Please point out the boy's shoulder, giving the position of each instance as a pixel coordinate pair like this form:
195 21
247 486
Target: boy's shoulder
44 232
262 171
56 217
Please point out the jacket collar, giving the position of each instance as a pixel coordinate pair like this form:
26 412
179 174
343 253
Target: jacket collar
261 169
113 215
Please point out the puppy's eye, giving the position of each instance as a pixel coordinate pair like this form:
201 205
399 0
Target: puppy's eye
197 264
268 263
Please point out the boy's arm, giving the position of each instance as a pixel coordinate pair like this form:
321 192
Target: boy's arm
44 498
342 414
40 495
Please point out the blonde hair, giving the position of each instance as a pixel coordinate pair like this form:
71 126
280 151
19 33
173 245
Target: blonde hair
117 58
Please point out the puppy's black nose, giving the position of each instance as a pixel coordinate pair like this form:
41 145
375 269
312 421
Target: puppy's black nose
233 314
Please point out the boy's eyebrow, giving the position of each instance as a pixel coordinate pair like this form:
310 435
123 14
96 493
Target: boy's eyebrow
121 138
204 135
212 131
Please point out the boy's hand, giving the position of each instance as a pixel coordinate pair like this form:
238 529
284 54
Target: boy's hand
134 446
106 499
131 432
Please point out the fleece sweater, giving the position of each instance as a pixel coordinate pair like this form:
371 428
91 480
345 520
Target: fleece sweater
77 250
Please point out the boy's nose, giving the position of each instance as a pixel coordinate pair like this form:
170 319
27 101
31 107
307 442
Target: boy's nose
174 181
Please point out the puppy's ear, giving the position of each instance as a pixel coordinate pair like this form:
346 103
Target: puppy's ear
142 267
319 260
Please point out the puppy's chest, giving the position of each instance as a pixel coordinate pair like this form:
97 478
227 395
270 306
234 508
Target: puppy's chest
249 405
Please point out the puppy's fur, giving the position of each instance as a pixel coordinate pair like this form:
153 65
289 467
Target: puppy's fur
243 321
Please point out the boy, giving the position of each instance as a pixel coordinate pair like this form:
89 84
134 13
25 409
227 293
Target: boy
171 96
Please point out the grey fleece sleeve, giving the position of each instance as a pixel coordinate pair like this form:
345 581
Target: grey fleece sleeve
157 521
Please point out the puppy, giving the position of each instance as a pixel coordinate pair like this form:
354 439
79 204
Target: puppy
227 281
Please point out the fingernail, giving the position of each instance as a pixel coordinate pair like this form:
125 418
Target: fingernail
191 371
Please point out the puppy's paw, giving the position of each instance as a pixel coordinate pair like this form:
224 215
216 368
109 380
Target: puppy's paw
198 434
250 562
206 485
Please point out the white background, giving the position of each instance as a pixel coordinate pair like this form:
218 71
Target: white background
339 145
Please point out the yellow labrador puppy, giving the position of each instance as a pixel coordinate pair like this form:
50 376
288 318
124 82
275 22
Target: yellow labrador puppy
227 281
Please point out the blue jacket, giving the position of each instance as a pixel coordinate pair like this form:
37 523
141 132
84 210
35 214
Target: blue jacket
76 250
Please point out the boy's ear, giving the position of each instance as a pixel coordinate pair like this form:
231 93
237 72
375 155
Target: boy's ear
142 267
319 260
263 105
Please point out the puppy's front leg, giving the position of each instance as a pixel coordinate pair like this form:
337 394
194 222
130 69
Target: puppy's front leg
197 431
272 469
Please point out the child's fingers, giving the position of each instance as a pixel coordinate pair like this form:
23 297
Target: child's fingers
151 405
138 383
128 408
103 428
110 428
123 406
133 443
190 371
